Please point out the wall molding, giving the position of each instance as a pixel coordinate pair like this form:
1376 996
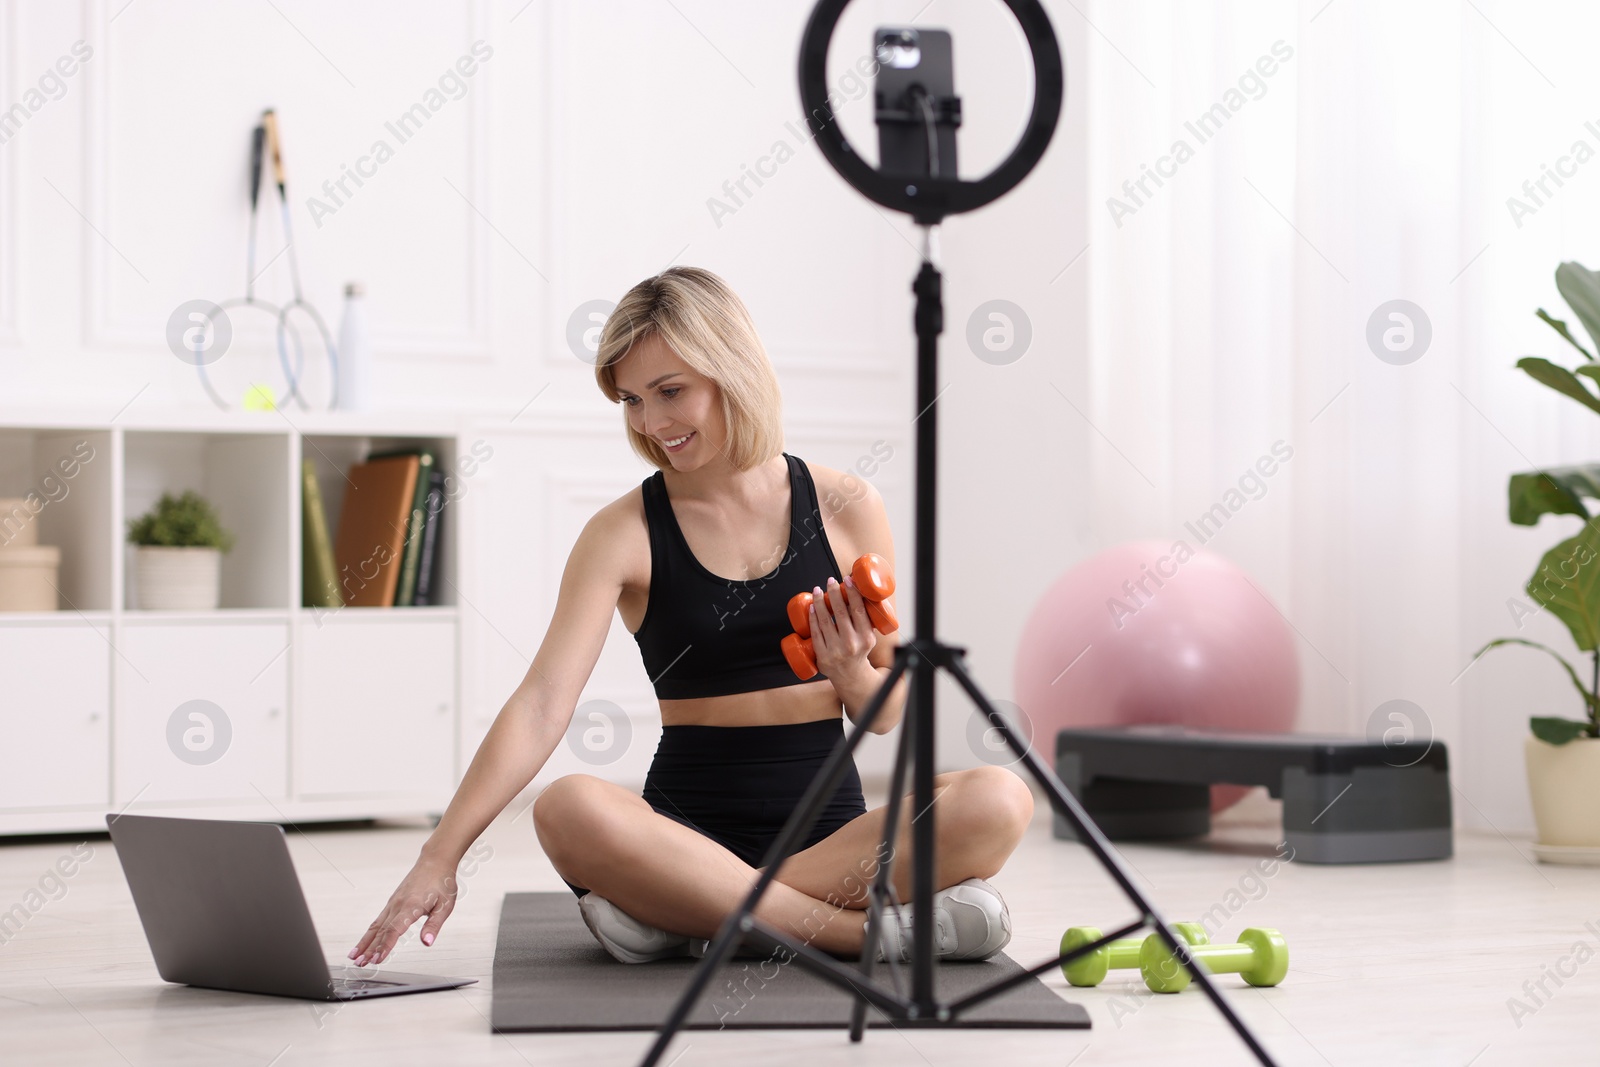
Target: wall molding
102 331
472 344
799 357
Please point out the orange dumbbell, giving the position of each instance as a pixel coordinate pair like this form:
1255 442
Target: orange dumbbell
874 580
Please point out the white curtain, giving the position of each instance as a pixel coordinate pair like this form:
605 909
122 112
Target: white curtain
1320 161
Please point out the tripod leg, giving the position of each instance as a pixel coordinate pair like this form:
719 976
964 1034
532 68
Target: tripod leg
1090 835
803 818
882 881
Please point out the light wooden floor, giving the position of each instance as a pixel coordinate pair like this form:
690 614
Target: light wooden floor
1391 964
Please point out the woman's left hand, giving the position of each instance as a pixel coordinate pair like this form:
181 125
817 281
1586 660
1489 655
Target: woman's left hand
841 638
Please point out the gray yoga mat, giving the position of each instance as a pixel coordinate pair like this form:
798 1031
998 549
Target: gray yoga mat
551 974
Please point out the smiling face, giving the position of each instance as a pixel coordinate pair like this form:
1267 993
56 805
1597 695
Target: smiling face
681 354
667 399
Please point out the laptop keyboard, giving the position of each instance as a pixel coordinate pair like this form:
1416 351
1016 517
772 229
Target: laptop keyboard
360 983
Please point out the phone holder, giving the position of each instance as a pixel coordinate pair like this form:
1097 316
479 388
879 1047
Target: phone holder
931 199
946 111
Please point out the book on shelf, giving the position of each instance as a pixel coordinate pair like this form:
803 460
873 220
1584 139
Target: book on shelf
429 556
406 588
369 549
319 587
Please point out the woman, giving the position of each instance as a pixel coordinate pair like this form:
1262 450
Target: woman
742 736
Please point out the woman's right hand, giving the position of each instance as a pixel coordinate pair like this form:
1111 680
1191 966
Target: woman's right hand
429 889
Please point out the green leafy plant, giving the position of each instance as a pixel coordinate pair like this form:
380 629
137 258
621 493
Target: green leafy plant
184 521
1567 580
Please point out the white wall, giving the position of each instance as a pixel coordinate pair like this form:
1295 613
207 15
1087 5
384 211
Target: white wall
579 158
1226 314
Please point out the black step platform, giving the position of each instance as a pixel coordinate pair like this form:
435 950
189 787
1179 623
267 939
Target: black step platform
1345 799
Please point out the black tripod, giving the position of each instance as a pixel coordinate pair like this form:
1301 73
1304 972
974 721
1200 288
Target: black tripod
922 656
927 196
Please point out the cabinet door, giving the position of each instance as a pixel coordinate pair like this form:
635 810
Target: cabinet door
375 707
54 716
201 711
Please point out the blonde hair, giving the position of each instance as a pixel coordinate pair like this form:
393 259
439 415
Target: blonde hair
706 324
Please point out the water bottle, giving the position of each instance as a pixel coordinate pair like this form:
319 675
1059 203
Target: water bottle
355 378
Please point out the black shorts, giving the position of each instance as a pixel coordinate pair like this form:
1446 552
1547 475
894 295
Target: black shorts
738 785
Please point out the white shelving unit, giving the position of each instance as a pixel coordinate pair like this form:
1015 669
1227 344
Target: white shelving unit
323 714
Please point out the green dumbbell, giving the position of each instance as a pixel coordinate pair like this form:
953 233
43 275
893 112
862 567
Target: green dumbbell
1090 969
1261 958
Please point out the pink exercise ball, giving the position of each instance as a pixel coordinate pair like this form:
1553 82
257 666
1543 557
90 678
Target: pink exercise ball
1151 632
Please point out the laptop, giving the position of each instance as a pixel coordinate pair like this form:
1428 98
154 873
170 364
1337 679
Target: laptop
222 908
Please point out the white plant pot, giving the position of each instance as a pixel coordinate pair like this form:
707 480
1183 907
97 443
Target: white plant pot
1564 785
178 579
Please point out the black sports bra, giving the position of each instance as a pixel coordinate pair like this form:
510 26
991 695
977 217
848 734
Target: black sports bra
705 635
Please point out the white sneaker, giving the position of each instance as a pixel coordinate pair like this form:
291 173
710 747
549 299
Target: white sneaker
625 937
970 922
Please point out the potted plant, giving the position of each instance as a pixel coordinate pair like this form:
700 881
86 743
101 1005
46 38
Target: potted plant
1562 754
180 544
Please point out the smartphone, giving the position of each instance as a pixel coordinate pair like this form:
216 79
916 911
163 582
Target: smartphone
909 57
